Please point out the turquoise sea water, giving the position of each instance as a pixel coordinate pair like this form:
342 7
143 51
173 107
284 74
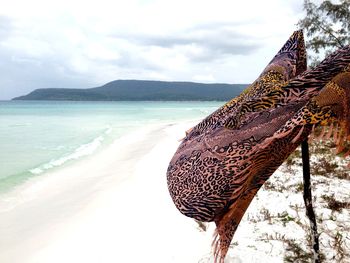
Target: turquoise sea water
38 136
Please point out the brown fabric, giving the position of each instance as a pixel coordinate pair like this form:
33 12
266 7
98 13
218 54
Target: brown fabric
225 159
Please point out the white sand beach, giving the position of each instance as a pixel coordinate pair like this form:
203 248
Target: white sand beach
111 207
114 206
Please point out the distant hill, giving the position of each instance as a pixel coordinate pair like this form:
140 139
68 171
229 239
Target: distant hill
137 90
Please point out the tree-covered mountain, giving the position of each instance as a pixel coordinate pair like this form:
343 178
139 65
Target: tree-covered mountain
134 90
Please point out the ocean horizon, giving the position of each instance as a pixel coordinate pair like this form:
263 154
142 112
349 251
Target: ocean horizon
37 137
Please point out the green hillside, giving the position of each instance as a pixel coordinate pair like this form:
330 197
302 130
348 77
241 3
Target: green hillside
135 90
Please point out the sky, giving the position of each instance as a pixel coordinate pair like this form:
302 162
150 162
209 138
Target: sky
85 44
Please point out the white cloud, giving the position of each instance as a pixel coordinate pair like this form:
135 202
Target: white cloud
87 43
204 78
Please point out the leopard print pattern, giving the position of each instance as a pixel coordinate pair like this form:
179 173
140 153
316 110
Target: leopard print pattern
224 160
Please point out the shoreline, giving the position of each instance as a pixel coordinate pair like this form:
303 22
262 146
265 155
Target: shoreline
82 212
114 206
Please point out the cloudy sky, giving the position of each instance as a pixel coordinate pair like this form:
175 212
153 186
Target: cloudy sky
83 44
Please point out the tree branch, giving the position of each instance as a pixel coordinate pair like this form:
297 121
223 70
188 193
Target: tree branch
332 35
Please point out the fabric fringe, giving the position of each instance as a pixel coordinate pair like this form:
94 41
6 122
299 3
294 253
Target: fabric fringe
335 132
296 138
312 134
330 130
321 136
216 247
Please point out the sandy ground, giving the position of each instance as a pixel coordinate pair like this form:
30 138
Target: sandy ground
111 207
115 207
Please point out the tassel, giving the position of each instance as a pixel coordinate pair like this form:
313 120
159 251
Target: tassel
328 136
340 148
341 137
215 245
296 138
312 134
336 134
320 137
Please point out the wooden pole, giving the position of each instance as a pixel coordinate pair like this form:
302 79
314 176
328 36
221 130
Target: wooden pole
308 200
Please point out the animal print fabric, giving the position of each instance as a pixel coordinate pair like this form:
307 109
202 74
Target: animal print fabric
225 159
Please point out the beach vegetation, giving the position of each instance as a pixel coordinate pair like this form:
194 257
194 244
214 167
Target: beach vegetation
327 26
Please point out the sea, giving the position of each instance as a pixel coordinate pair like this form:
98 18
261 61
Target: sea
37 137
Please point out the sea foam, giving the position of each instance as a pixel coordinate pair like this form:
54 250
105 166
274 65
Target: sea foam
83 150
